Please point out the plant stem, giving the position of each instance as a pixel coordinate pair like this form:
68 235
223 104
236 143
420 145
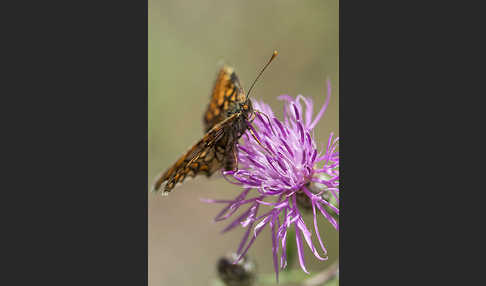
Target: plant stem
323 276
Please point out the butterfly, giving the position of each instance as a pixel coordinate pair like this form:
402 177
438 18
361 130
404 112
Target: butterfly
227 118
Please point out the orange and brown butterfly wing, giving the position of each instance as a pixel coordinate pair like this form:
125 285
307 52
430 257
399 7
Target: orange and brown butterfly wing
227 92
205 157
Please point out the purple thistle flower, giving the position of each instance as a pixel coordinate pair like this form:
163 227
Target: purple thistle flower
283 175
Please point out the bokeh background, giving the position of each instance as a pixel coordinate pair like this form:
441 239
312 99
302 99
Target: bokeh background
188 42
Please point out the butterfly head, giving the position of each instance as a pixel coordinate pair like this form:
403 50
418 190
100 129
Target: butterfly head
247 108
244 108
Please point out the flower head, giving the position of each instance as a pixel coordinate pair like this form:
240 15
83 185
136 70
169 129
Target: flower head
288 171
236 274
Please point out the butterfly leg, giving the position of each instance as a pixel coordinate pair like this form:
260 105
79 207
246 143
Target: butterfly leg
261 113
258 141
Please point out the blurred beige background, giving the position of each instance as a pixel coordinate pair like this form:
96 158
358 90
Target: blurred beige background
188 40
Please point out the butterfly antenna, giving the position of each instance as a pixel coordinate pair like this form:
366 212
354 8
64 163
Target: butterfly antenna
275 53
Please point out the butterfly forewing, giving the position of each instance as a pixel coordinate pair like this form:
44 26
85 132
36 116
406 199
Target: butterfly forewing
205 157
227 93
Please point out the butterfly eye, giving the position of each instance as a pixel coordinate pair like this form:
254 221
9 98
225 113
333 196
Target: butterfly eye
245 107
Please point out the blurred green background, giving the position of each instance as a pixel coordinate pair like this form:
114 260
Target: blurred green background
188 41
